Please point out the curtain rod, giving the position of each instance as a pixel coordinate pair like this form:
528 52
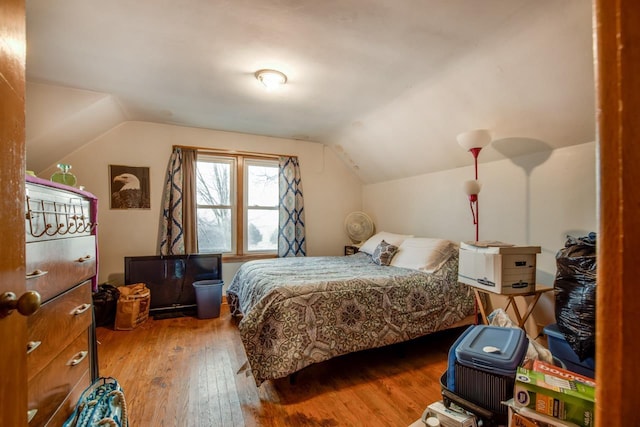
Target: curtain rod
243 153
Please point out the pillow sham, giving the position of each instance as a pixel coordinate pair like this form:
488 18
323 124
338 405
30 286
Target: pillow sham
392 238
384 252
424 254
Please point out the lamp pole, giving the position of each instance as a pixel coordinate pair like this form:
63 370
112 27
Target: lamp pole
473 141
475 151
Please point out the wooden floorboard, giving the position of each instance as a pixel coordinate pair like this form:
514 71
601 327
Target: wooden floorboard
192 372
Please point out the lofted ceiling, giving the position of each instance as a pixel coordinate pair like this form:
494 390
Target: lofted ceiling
386 84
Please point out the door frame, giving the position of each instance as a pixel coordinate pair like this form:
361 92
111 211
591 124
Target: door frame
617 67
13 328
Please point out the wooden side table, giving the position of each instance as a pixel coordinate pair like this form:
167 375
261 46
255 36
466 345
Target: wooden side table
511 302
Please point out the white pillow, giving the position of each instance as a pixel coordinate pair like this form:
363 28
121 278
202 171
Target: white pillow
393 239
423 253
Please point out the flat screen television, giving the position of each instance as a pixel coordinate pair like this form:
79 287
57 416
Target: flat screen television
170 277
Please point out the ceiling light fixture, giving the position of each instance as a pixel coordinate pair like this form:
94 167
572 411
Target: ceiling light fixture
271 79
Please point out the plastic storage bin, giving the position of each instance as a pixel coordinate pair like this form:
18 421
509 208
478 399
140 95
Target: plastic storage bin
208 298
493 349
488 418
484 367
561 349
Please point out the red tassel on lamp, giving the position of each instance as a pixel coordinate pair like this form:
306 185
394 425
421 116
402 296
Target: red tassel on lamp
474 141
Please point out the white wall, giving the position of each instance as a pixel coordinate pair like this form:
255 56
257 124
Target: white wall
536 199
330 189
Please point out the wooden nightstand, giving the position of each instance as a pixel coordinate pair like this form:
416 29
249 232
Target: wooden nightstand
350 249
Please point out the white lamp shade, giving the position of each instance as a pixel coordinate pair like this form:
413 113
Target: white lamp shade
472 187
478 138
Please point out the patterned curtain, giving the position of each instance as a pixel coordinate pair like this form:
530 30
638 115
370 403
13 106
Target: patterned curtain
291 234
177 225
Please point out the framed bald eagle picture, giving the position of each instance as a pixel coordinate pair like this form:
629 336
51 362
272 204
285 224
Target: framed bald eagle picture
129 187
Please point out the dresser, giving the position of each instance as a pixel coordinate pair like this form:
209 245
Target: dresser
61 265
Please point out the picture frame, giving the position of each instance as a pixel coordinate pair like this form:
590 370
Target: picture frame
129 187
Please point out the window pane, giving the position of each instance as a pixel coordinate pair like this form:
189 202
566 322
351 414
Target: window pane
214 230
213 183
262 185
262 233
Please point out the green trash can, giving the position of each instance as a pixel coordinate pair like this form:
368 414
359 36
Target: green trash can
208 298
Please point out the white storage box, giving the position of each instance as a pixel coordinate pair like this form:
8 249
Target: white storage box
498 267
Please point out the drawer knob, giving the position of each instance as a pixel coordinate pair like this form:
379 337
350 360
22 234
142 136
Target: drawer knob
27 304
77 358
84 258
32 345
81 309
36 273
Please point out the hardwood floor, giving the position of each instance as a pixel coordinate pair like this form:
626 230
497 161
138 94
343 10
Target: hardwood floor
191 372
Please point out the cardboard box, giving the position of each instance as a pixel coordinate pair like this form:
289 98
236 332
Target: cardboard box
498 267
525 417
517 420
556 396
546 368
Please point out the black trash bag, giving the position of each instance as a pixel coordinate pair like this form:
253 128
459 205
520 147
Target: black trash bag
105 302
575 289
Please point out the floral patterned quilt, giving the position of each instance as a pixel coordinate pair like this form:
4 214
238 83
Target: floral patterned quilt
300 311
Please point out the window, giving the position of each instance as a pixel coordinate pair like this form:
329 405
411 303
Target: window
237 204
261 204
215 198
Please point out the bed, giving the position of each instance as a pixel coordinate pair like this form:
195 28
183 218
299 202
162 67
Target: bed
299 311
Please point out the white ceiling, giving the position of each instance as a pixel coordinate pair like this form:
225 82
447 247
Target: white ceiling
387 84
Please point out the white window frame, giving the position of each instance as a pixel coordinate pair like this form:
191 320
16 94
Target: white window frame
233 198
254 162
239 197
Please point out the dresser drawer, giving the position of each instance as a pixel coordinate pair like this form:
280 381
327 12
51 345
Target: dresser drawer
67 406
56 324
53 266
51 386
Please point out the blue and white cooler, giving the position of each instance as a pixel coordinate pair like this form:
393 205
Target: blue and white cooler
483 364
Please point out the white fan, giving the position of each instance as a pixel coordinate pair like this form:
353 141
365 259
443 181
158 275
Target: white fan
359 227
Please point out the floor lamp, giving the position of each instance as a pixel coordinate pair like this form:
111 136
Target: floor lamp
474 141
